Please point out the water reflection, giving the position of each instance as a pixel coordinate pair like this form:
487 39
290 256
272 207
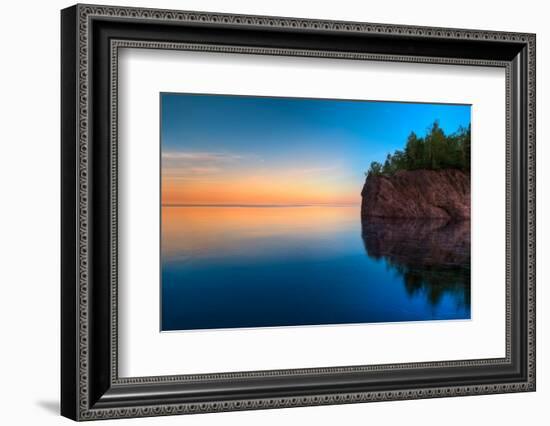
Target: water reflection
432 256
230 267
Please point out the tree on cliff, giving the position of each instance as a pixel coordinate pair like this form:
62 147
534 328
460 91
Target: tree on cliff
435 151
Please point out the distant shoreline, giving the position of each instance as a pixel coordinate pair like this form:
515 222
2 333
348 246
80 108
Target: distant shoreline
264 205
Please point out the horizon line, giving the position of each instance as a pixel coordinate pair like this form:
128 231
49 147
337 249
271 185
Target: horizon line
258 205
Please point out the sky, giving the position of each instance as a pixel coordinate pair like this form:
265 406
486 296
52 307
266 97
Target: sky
241 150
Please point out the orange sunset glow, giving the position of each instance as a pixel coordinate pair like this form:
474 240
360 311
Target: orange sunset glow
269 188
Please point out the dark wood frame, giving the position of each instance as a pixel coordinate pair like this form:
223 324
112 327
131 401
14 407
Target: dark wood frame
90 386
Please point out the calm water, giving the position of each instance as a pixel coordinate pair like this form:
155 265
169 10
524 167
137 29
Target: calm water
225 267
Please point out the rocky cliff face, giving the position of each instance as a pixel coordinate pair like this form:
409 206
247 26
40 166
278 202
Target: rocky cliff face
418 194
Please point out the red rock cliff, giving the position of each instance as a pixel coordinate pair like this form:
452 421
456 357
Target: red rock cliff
443 194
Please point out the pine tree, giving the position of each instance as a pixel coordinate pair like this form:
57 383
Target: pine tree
434 151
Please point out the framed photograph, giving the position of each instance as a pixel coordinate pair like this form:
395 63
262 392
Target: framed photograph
263 212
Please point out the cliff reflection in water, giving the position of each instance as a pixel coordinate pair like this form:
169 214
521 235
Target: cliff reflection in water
432 256
230 267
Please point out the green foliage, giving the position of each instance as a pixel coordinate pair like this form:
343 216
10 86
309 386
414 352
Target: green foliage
435 151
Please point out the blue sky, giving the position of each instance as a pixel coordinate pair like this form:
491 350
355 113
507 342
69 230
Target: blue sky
209 137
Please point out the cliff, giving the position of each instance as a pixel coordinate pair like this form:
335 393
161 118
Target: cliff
418 194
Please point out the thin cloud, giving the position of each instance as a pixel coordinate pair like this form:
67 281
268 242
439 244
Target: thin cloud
190 164
211 157
175 172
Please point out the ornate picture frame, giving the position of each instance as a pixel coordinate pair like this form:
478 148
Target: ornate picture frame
91 37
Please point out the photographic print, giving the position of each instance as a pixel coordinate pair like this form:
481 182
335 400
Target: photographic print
296 211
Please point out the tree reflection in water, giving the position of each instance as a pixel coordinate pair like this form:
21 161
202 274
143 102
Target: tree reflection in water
432 256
